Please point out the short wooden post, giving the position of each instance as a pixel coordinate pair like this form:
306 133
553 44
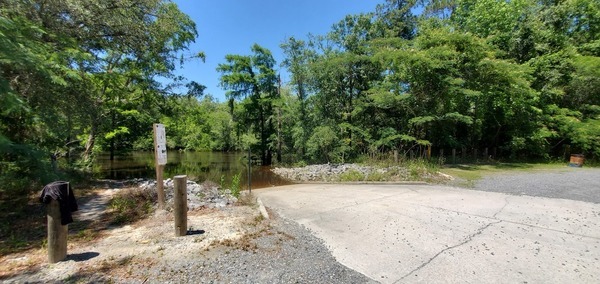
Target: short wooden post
396 156
180 205
453 155
428 152
57 234
485 153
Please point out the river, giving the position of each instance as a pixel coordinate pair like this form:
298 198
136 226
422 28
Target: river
198 166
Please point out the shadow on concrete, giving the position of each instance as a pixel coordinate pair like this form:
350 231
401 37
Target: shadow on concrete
82 256
195 232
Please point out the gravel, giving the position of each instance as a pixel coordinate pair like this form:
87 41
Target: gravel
205 195
285 253
581 184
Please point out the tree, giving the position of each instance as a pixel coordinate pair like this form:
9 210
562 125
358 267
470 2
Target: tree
77 71
253 79
298 58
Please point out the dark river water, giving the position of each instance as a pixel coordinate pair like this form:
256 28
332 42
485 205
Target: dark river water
198 166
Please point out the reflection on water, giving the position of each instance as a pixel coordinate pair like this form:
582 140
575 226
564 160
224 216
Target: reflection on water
198 166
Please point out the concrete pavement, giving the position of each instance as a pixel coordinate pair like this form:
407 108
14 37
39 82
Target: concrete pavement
437 234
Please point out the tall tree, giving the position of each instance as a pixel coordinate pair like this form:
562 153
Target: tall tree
253 79
297 60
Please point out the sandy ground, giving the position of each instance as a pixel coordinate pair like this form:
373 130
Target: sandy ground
140 244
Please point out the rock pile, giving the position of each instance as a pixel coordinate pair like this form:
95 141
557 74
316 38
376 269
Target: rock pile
198 195
335 172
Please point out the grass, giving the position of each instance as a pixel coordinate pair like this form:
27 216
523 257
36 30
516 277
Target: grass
470 173
131 205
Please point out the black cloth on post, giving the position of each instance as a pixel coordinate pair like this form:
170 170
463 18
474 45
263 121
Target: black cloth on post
61 192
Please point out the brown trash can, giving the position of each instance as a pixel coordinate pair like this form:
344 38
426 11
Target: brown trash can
576 160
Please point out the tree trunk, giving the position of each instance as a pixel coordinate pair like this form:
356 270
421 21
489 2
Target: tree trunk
112 140
89 145
279 135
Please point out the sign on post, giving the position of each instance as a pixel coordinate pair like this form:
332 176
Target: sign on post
161 144
160 155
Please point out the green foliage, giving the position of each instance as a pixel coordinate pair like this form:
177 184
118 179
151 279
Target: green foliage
253 80
69 89
131 205
236 185
351 175
322 144
520 76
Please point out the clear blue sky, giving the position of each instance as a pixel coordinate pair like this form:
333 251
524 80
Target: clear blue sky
233 26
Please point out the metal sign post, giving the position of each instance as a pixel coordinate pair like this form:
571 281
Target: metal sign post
160 155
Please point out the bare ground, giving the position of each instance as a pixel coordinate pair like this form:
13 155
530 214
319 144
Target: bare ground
230 244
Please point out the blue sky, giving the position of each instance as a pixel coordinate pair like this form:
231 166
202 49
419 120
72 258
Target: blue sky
233 26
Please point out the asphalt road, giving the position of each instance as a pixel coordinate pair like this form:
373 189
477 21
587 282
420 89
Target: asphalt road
433 234
581 184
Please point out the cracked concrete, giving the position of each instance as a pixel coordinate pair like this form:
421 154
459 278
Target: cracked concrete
469 238
432 234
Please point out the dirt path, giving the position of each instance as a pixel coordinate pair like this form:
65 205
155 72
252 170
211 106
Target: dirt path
93 206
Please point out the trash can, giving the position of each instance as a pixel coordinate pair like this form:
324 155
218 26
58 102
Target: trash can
576 160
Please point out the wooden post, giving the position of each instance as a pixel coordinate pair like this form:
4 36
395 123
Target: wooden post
160 186
396 156
475 154
453 155
160 158
57 234
485 153
428 152
180 205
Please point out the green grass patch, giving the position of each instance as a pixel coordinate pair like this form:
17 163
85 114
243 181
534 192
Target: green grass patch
352 175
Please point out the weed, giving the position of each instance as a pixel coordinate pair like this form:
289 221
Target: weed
352 175
222 184
86 235
235 185
131 205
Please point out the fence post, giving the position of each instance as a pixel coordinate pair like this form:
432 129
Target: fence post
428 152
396 156
453 155
57 234
180 205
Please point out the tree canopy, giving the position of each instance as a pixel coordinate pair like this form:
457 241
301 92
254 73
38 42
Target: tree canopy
81 77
